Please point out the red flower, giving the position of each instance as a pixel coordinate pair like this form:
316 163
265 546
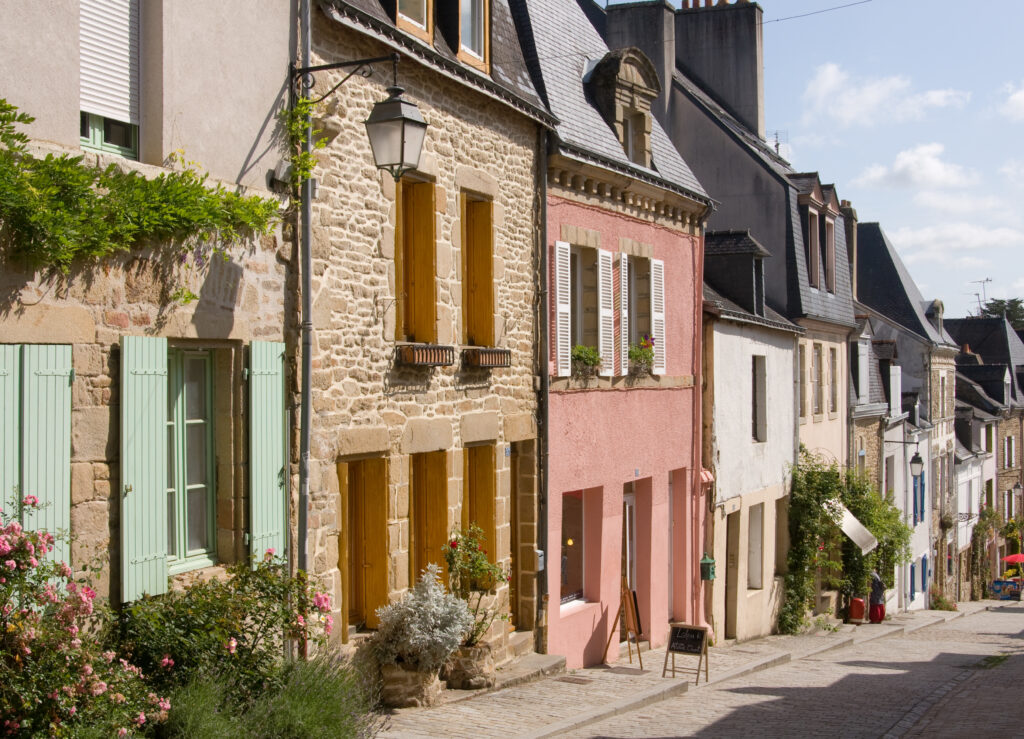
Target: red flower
453 544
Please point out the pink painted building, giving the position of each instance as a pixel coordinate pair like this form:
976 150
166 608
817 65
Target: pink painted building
624 225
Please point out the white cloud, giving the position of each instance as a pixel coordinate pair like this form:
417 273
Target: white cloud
958 203
1013 107
948 243
832 95
1013 171
921 166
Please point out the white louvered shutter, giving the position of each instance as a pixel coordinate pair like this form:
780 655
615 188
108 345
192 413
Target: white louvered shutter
658 314
109 41
606 312
563 309
624 313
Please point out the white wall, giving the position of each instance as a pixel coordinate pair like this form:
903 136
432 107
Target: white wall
742 464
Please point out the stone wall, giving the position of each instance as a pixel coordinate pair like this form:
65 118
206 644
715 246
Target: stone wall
242 298
365 404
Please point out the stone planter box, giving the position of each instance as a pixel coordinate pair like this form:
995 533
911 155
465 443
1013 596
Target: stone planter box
486 357
405 688
470 668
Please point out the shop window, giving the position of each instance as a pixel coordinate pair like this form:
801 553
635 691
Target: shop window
415 262
572 546
477 271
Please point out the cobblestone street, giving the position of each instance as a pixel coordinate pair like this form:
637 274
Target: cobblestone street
944 681
917 675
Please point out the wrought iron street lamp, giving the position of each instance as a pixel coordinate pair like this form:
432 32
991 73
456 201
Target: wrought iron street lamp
916 464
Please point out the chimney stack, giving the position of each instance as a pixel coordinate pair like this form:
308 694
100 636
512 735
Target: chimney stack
850 221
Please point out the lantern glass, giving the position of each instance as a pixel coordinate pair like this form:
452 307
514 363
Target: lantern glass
916 465
396 131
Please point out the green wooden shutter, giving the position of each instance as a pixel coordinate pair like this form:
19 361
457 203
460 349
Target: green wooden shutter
268 443
46 440
143 466
10 428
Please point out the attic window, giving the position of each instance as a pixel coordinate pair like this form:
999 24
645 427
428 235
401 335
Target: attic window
636 137
415 17
623 85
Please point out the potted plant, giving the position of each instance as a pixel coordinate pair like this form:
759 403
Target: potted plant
586 361
641 357
415 638
474 579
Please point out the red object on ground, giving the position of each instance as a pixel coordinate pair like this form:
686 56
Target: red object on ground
877 613
856 609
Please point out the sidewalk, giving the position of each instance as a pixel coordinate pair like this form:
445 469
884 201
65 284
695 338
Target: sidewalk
557 704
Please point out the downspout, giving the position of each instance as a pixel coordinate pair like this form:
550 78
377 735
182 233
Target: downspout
698 535
305 271
541 188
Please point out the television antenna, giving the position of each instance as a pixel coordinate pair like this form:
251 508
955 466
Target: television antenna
984 297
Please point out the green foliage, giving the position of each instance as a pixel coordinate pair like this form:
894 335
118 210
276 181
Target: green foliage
233 630
473 577
641 356
318 698
55 210
984 528
423 628
586 361
940 602
1012 308
294 120
817 487
54 678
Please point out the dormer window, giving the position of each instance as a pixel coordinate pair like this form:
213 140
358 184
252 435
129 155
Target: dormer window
759 287
415 17
813 250
472 25
830 254
624 84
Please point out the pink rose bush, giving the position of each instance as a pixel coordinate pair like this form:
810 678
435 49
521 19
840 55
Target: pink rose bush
51 678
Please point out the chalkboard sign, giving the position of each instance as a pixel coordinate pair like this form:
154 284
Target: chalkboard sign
687 639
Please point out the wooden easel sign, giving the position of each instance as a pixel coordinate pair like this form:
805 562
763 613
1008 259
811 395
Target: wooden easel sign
631 618
687 639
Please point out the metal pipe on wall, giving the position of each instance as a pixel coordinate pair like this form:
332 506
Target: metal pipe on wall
305 272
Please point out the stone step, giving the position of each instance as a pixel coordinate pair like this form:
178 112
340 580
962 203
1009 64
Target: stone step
520 643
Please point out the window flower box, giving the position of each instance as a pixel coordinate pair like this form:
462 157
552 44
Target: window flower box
425 355
486 357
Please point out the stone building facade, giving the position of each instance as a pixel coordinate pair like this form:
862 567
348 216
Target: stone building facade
411 439
110 454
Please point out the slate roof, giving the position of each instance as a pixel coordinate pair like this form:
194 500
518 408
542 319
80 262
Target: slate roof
995 340
885 285
989 378
876 383
509 80
720 243
562 46
730 310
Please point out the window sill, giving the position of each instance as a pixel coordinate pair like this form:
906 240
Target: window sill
818 417
201 573
574 607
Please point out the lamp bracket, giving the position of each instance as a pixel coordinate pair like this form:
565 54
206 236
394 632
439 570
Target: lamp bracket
304 76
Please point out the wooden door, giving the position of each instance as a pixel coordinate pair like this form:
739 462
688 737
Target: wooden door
364 550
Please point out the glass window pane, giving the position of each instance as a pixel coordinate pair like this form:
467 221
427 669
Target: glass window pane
195 388
172 524
414 10
117 133
170 456
197 535
572 546
472 26
195 454
83 125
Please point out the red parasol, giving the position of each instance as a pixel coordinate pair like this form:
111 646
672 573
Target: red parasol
1015 559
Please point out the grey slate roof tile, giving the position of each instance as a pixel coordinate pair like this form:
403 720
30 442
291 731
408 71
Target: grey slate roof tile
733 242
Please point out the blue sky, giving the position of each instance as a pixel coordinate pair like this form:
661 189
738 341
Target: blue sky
914 109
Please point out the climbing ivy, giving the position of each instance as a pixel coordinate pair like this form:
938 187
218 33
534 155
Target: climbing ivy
57 210
294 121
986 525
816 489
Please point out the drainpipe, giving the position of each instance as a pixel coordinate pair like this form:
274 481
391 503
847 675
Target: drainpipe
542 400
305 270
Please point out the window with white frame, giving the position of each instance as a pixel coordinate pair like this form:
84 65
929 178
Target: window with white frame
817 380
755 547
813 250
830 254
833 375
109 74
758 398
472 26
1009 452
803 381
414 11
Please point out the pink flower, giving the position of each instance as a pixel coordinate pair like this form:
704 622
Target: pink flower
87 670
99 688
270 552
167 663
108 656
322 602
300 620
328 624
72 711
31 500
11 564
232 645
122 732
165 705
65 570
33 561
141 718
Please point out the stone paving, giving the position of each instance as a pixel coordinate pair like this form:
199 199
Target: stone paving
826 677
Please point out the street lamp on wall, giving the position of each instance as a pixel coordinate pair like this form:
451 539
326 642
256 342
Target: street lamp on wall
916 464
396 131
